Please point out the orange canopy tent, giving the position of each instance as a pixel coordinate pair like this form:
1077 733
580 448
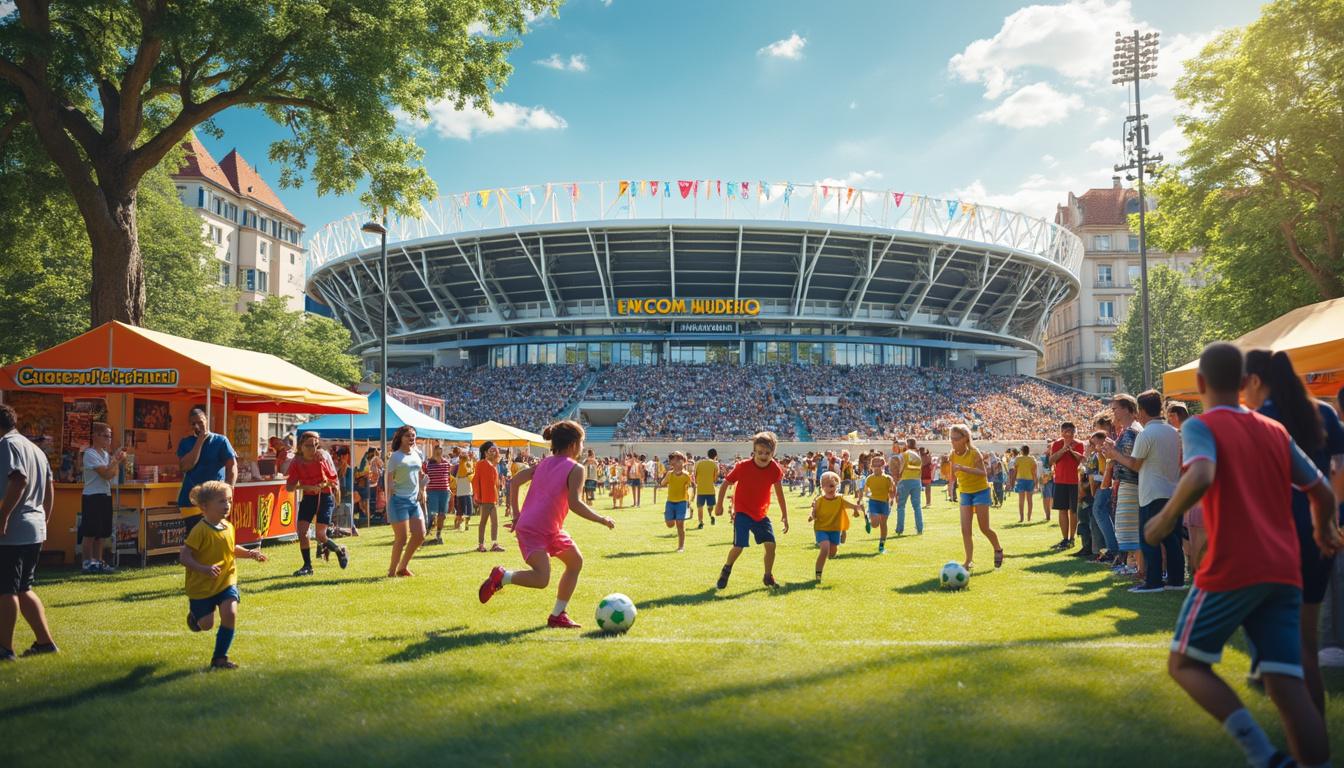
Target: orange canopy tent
115 358
1313 337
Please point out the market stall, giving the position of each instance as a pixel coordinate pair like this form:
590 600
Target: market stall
143 383
365 426
505 436
1313 337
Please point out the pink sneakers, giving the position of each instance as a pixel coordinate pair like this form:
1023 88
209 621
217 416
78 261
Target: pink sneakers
561 622
492 584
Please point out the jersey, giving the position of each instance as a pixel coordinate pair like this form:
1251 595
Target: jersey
967 482
706 472
879 486
678 486
829 514
211 546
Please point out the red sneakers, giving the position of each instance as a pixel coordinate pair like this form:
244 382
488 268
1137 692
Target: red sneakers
492 584
561 622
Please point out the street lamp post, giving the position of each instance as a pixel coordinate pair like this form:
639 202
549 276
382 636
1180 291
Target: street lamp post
1136 60
374 228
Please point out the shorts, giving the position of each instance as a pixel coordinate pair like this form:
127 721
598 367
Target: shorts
463 505
1268 613
317 508
18 566
1025 486
633 482
676 510
744 526
400 509
531 542
204 606
1316 570
977 499
95 516
706 500
484 508
369 493
876 507
832 536
1066 497
436 503
590 485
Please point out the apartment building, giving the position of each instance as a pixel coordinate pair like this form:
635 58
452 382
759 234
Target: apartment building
256 240
1080 335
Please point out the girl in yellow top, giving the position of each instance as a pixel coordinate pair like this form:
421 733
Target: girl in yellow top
212 576
678 506
880 490
828 518
1024 469
974 485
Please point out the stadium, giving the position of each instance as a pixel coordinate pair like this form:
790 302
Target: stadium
599 276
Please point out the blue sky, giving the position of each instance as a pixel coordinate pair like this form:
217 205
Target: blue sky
993 102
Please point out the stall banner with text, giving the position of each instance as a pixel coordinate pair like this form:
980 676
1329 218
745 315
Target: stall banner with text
262 512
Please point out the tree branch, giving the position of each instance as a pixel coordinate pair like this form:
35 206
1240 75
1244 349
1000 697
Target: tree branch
10 125
1327 284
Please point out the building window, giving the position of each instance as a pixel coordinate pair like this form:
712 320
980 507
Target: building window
1106 312
291 259
262 277
1133 243
1104 276
250 279
1132 272
1107 385
1101 242
200 197
1107 347
225 272
261 247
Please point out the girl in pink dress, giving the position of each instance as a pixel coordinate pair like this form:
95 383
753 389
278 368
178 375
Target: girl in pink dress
557 488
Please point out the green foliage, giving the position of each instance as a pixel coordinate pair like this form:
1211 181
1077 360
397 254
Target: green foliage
1262 186
1176 328
314 343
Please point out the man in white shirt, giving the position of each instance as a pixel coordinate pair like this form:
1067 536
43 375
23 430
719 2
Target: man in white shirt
1157 459
95 516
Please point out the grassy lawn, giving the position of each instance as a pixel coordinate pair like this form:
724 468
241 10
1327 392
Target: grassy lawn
1045 662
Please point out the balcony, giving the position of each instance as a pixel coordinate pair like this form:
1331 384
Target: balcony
1104 284
1108 321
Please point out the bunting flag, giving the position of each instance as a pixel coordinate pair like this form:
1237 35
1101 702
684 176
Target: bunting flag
825 192
685 188
718 187
788 192
849 194
519 198
653 188
574 192
530 197
667 189
968 209
746 189
466 199
483 197
764 190
898 197
547 195
623 188
951 209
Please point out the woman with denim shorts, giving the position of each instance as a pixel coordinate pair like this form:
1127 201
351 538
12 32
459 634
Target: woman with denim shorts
439 474
407 489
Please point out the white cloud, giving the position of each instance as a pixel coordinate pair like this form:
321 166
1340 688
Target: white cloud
790 47
7 7
1033 106
1171 144
1100 115
479 27
852 179
1038 195
1106 148
1175 50
1074 39
470 121
575 63
1049 161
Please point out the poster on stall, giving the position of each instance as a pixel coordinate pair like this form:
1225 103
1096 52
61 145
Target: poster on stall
39 420
126 529
264 511
76 433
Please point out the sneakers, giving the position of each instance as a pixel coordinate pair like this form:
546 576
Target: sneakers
562 622
702 524
104 567
222 663
7 655
881 549
1331 657
192 623
1143 589
492 584
342 557
1176 587
90 566
434 541
722 583
40 649
711 520
867 524
306 570
770 582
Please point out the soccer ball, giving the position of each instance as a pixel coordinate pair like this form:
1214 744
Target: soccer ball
953 576
616 613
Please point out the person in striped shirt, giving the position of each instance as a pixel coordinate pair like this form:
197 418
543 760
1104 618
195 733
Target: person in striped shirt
440 495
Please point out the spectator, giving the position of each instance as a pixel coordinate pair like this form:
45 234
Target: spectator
27 494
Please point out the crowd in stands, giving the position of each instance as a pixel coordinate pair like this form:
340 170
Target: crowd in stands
721 401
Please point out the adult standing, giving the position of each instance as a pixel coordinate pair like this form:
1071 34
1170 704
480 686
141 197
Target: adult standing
1156 457
347 475
407 489
369 478
926 475
634 477
313 472
95 512
203 455
27 494
1065 455
909 474
439 474
1124 480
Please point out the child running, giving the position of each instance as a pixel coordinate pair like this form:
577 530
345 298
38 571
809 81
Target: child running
557 481
880 492
969 466
678 506
212 575
828 514
753 480
706 475
1244 465
1025 484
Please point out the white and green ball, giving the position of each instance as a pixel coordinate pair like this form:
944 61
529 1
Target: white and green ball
616 613
954 576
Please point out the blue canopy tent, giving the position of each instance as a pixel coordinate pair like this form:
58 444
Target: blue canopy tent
364 426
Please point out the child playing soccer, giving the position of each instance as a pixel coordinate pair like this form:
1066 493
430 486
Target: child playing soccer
1244 466
753 479
828 514
678 506
880 491
557 482
706 475
212 576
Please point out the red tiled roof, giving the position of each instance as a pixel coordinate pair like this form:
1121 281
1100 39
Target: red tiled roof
232 173
1105 207
199 163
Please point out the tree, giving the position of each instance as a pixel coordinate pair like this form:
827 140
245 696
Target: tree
1264 172
1176 329
110 88
314 343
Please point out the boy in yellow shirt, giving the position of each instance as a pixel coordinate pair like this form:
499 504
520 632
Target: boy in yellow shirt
880 490
706 476
212 576
828 518
678 506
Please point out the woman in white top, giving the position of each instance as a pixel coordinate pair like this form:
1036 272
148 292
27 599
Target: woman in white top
407 488
95 518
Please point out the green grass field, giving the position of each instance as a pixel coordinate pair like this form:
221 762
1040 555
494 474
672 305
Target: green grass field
1045 662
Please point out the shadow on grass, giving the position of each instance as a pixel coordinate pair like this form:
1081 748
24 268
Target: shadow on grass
920 587
443 641
695 598
298 582
645 553
136 680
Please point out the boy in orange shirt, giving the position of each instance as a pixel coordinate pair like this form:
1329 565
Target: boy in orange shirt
485 491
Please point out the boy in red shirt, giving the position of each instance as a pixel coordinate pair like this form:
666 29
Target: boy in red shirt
1065 455
1244 465
485 491
753 480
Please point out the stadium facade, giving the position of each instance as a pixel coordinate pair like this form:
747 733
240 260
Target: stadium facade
643 272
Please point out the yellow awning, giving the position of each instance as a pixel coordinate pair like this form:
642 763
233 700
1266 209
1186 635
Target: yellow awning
504 435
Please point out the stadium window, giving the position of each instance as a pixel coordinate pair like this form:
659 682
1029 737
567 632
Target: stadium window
1101 242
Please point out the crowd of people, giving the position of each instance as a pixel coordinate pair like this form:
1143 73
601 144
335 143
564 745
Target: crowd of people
526 396
694 402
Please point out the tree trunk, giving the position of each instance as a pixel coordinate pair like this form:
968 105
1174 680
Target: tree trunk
117 291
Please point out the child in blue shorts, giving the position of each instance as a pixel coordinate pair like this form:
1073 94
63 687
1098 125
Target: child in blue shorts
828 516
678 505
212 576
880 491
